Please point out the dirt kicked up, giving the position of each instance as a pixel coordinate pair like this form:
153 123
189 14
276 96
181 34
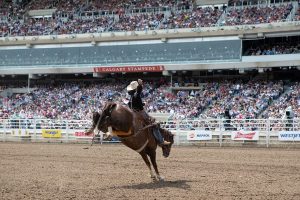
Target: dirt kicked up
73 171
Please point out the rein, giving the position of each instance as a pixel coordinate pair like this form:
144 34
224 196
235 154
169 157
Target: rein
143 147
140 130
98 124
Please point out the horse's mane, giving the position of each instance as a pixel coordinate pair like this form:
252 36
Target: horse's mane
108 107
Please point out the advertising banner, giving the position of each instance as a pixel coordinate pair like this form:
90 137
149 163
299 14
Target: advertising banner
156 68
245 135
289 136
82 134
199 135
51 133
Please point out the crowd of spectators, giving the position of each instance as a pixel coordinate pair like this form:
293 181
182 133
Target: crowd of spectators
297 15
141 22
109 5
72 5
252 2
55 26
244 100
247 100
257 15
182 104
67 19
66 101
199 17
289 99
275 49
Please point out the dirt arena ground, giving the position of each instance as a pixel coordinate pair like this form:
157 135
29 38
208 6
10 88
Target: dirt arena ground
71 171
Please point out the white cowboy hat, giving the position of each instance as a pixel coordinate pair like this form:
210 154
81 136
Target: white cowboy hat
132 86
289 108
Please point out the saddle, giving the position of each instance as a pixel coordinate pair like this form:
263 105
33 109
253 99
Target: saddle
146 120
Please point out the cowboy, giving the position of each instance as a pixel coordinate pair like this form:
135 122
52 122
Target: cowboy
136 104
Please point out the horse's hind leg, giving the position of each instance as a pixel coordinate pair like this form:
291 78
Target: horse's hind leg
146 160
152 156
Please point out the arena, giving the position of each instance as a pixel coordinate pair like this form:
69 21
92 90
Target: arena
217 82
60 171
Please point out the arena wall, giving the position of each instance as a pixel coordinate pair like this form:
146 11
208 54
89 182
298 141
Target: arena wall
209 133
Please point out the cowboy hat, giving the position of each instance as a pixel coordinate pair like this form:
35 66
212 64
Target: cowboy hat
132 86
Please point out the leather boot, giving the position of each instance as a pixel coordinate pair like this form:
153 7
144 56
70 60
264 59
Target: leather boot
159 138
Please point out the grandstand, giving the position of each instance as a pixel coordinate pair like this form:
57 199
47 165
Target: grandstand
63 61
223 76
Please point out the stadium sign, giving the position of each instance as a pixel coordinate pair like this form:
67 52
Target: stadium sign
289 136
245 135
82 134
199 135
157 68
51 133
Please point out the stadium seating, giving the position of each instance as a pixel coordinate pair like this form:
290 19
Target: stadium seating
257 15
275 49
78 16
246 100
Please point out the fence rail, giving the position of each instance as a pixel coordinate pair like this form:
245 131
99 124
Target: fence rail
203 132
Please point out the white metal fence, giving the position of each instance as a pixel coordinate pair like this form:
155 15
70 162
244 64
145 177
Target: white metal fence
204 132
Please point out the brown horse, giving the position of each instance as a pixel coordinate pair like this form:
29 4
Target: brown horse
133 132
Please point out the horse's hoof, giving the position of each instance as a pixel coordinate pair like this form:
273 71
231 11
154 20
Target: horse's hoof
161 178
153 177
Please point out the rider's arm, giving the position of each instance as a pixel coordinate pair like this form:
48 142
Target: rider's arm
139 87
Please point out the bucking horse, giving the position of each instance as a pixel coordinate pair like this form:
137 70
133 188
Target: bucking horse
133 131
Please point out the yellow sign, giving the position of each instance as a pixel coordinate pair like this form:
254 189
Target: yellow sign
51 133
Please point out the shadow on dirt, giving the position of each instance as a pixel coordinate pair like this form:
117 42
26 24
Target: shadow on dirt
181 184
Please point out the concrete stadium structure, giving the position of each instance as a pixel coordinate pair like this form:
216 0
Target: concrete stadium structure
234 35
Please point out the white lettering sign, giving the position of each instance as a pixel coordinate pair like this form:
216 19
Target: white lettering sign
199 135
289 136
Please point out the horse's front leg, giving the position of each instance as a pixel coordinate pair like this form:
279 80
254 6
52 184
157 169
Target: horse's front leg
146 160
152 155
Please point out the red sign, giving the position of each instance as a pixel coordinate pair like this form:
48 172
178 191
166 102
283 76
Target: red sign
82 134
192 135
245 136
158 68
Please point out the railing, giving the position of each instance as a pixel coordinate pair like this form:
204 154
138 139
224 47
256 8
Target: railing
7 37
203 132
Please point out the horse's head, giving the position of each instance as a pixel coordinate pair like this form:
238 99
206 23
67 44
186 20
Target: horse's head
101 121
168 136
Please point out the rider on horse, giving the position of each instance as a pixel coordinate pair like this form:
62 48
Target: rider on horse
136 104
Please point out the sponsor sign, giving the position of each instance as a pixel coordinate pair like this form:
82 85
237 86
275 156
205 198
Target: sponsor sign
158 68
199 135
245 135
82 134
51 133
289 136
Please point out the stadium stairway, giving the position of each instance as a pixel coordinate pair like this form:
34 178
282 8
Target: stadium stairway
287 90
